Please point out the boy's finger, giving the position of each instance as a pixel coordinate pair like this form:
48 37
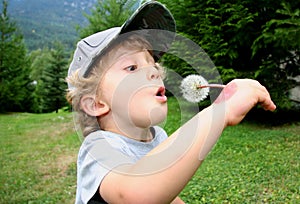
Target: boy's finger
265 100
268 104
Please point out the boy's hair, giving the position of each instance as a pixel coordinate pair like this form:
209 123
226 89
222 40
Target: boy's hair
152 20
82 86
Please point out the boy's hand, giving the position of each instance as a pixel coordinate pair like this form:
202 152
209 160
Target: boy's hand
240 96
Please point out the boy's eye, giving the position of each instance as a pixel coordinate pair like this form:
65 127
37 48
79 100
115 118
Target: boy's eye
131 68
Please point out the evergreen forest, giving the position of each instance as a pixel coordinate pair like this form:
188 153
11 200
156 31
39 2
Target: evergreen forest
244 39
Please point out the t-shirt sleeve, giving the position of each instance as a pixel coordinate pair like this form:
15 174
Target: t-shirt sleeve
96 158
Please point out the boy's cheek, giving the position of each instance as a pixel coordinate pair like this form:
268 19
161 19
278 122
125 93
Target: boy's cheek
227 93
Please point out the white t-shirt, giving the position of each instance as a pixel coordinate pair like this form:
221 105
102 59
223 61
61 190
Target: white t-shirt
102 151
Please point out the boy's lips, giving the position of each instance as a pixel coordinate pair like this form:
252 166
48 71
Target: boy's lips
160 94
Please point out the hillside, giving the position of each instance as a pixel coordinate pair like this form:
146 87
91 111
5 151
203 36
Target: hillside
44 21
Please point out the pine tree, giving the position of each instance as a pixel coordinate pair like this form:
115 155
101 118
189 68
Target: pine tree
246 39
51 86
14 68
107 14
39 59
279 43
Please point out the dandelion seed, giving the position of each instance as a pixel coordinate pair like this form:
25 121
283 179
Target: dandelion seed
189 88
195 88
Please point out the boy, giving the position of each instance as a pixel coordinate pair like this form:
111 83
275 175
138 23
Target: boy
116 88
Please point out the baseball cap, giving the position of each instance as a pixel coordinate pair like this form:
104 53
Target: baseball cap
152 20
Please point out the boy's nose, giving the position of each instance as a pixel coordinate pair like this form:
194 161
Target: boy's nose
153 73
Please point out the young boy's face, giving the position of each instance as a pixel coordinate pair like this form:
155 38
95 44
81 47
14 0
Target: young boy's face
134 90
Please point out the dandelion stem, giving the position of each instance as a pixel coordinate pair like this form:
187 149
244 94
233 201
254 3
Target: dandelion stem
221 86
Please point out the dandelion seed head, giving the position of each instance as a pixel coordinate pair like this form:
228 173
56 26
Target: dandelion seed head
190 88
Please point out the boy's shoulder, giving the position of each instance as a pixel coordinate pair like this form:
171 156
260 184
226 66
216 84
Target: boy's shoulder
108 143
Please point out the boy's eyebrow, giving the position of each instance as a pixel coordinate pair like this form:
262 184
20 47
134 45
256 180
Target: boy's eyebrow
117 57
125 53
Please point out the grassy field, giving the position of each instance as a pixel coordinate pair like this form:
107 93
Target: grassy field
250 163
38 158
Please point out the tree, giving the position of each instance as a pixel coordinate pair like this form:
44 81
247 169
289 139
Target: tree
39 59
222 29
279 44
15 85
51 86
107 14
246 39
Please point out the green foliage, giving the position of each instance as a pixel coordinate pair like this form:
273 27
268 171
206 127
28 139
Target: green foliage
107 14
49 69
43 22
39 59
246 39
280 40
15 85
220 28
223 32
281 32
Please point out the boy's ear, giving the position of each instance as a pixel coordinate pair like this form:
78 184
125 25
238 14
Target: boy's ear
92 106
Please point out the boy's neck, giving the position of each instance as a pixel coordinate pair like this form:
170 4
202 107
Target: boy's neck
132 132
138 134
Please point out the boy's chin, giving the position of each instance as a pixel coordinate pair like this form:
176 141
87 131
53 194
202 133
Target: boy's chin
153 120
158 116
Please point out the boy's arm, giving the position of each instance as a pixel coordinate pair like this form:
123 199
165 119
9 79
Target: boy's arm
160 176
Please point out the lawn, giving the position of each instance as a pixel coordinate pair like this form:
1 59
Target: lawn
38 158
250 164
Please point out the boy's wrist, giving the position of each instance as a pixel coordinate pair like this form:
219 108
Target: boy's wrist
211 124
218 114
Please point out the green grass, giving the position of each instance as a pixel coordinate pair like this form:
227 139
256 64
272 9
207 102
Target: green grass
250 163
38 158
